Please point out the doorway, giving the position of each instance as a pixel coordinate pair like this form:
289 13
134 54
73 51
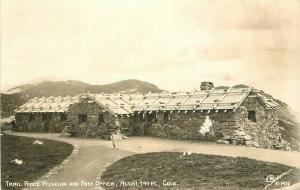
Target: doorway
46 118
150 118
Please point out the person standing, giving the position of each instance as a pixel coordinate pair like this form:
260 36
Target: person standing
116 132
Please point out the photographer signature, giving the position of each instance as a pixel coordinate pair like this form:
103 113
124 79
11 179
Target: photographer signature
272 179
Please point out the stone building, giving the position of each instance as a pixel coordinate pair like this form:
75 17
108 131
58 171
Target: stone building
234 115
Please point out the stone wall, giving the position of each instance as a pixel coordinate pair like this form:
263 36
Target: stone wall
38 124
187 125
92 128
229 127
265 131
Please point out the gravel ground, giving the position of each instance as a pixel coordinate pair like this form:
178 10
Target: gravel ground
94 155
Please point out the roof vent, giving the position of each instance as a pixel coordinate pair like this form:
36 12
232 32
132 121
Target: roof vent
206 86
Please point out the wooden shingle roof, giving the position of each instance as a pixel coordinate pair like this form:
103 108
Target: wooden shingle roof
50 104
118 104
219 99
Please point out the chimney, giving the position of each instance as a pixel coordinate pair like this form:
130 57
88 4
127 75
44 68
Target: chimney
206 86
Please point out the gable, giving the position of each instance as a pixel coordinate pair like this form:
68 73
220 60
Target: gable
255 99
115 104
86 106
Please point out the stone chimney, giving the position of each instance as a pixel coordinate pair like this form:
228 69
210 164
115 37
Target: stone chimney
206 86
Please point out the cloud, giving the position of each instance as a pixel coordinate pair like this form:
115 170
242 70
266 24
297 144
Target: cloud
173 43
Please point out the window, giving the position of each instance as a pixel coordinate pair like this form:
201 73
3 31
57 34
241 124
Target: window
167 116
44 117
141 117
153 117
63 117
252 116
82 118
100 118
31 117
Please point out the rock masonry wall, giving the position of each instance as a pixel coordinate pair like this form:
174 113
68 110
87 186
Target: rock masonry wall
92 127
226 127
38 124
187 125
262 133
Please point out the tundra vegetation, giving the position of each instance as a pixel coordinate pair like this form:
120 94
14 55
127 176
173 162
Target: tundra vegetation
27 159
175 170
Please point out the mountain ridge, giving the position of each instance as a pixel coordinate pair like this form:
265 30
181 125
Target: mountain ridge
23 93
74 87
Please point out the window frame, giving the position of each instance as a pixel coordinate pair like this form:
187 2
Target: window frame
100 118
153 117
47 116
141 117
44 116
63 117
31 117
252 116
167 116
82 118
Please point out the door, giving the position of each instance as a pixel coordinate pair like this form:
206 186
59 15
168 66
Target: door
47 125
146 125
150 118
47 118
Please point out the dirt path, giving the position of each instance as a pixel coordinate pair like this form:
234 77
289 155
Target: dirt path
94 155
84 166
151 144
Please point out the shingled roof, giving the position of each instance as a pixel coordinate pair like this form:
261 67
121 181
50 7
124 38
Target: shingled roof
50 104
115 104
215 99
118 104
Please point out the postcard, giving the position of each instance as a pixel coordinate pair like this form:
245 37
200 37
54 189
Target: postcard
150 94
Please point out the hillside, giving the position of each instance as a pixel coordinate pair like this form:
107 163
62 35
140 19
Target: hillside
72 87
9 102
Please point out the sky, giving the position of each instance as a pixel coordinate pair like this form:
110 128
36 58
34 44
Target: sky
174 44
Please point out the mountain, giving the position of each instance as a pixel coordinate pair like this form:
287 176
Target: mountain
73 87
10 101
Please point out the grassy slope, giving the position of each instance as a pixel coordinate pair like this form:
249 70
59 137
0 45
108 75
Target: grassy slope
196 170
39 159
